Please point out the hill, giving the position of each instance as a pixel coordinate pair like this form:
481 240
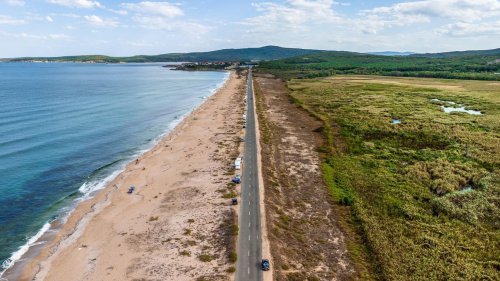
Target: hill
245 54
478 67
492 52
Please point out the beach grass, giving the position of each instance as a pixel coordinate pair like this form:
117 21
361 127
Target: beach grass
423 194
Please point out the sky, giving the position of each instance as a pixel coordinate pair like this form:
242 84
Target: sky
127 27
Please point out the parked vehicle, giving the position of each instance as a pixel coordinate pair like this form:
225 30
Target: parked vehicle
236 179
234 201
131 190
237 163
265 265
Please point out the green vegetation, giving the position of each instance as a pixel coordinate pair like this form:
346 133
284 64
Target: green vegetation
247 54
492 52
233 257
229 195
231 269
185 253
474 65
206 258
424 194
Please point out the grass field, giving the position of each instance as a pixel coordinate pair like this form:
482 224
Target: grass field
424 193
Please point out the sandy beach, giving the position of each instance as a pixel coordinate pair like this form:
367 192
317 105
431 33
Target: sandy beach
174 226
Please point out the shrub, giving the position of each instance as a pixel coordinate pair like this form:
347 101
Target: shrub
206 258
233 257
185 253
231 269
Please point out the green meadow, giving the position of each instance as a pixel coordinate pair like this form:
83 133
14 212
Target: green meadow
423 194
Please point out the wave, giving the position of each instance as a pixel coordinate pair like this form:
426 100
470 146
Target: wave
33 241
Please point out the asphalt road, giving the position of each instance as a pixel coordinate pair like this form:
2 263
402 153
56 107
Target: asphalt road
249 247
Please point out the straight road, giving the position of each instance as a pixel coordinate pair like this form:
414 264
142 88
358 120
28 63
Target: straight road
249 247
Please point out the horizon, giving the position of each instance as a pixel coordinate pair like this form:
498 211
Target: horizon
286 47
52 28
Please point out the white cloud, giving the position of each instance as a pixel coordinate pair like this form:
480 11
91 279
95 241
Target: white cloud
119 12
161 23
294 14
139 44
466 29
420 12
463 10
15 2
24 35
98 21
164 9
161 16
10 20
77 3
58 36
49 19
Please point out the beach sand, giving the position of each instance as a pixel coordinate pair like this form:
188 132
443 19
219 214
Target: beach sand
176 213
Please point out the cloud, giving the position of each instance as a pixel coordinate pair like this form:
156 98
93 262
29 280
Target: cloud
77 3
466 29
98 21
15 2
161 23
463 10
119 12
10 20
58 36
164 9
294 14
161 16
139 44
24 35
49 19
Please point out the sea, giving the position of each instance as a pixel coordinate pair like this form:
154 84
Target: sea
68 128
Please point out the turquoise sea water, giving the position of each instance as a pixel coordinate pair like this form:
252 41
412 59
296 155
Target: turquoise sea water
65 128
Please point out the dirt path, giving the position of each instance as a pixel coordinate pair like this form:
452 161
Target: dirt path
305 240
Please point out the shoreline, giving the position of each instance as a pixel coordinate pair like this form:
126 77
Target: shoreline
62 235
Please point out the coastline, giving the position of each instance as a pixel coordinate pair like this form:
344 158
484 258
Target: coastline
38 262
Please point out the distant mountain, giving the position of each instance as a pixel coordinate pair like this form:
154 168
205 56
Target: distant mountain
492 52
390 53
246 54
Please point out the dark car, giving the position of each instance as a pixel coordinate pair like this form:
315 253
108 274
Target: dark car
265 265
234 201
236 179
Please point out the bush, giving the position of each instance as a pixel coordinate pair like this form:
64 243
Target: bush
185 253
206 258
235 230
233 257
231 269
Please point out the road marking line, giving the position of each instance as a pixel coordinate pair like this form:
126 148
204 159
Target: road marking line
249 224
248 237
248 212
248 252
249 270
